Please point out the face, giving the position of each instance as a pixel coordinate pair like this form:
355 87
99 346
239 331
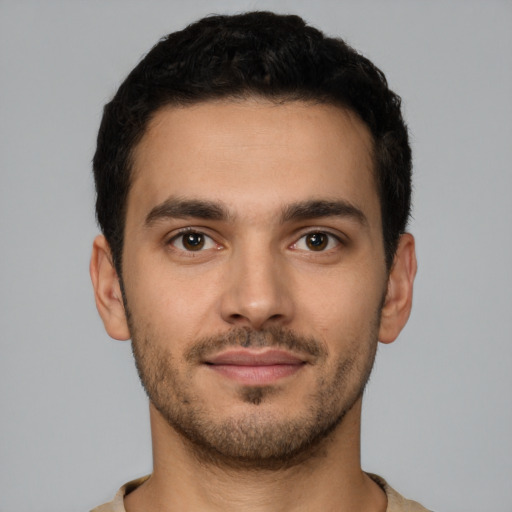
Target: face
254 272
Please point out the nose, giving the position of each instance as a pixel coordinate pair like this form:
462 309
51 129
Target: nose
257 289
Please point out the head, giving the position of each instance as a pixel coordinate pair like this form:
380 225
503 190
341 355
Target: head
258 55
253 186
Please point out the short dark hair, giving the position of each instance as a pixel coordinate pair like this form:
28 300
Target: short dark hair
256 54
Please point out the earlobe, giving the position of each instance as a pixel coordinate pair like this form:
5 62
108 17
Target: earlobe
398 301
107 290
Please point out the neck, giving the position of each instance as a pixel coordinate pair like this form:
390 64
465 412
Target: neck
327 479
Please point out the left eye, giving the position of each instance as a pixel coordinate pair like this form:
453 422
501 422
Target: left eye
193 241
317 241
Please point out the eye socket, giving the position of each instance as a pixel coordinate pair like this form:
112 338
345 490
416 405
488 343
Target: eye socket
317 241
192 241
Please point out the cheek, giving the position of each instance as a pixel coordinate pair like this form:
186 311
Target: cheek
177 306
340 306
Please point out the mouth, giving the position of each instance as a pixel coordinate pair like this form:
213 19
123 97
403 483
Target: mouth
255 368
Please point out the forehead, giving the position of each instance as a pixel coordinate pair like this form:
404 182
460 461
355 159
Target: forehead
253 156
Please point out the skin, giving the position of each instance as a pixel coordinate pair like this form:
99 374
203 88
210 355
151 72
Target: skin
257 271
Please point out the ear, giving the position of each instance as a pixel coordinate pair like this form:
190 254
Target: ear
107 290
398 302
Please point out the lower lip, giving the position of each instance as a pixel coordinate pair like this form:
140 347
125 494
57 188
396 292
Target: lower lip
256 375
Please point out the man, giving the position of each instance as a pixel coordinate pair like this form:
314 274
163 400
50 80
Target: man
253 181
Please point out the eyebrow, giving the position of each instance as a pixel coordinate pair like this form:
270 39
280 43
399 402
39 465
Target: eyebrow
176 208
315 209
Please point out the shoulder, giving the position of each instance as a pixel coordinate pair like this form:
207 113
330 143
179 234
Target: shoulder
117 504
396 502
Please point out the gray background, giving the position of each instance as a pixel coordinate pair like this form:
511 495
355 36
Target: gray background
438 419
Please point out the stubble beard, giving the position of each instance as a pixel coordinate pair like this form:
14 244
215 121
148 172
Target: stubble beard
256 440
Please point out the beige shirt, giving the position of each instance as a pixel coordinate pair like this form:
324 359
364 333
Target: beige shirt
396 502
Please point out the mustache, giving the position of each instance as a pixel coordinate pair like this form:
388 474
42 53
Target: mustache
272 337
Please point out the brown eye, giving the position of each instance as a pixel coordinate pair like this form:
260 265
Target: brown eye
317 241
193 241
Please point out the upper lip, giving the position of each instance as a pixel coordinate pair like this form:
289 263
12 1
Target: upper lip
252 358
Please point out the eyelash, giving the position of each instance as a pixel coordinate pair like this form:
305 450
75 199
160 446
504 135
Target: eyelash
330 239
191 231
206 239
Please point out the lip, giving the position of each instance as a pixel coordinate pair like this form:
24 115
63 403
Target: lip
248 367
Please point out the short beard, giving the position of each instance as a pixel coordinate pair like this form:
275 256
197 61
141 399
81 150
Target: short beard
256 440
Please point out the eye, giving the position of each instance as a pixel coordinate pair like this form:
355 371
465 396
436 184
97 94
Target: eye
317 241
192 241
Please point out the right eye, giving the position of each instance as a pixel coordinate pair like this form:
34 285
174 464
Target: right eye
192 241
